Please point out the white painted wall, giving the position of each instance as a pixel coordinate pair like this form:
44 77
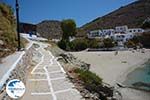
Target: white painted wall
123 37
121 28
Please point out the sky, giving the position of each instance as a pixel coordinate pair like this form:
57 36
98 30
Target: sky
82 11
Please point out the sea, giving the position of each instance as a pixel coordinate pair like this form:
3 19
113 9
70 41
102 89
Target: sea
140 77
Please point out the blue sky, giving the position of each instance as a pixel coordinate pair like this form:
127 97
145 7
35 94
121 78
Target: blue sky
82 11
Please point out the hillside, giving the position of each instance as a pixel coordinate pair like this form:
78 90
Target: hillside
50 29
8 41
132 15
27 27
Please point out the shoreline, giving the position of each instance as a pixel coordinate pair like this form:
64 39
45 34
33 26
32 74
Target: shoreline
124 76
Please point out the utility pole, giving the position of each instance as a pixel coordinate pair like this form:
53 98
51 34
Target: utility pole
18 26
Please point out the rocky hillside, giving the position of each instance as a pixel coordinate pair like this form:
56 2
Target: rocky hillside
8 41
50 29
27 27
132 15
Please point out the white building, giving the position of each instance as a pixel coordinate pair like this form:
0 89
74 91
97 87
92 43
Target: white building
135 31
95 34
123 37
108 32
123 33
119 29
120 33
101 33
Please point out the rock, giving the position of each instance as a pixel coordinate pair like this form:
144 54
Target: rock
69 58
1 42
87 95
141 84
85 66
95 96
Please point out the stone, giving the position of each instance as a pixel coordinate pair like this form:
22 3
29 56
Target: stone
1 42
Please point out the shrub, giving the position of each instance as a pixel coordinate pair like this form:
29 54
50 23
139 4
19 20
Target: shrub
62 44
79 44
94 84
93 43
135 40
91 80
130 44
7 27
108 43
145 40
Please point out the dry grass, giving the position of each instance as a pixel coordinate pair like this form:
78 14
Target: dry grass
7 31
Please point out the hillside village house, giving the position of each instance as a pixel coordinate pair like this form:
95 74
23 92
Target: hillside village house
119 29
136 31
95 34
119 34
101 33
123 37
108 32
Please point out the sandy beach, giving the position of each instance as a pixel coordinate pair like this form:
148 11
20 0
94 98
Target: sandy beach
113 68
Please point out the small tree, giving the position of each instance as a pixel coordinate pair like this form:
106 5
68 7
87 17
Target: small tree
108 43
136 40
69 28
93 43
130 44
79 44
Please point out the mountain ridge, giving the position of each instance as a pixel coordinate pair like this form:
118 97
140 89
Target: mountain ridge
50 29
132 15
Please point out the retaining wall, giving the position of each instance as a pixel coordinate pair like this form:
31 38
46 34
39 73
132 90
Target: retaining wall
20 70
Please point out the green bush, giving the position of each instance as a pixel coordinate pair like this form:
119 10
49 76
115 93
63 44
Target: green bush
94 84
62 44
79 44
108 43
93 43
135 39
130 44
91 80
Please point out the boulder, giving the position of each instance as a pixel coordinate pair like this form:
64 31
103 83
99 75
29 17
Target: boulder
1 42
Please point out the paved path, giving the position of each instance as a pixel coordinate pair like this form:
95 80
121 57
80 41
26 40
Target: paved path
48 80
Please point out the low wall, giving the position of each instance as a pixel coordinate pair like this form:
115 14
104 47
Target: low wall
20 71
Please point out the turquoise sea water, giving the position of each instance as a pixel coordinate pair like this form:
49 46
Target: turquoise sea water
140 77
